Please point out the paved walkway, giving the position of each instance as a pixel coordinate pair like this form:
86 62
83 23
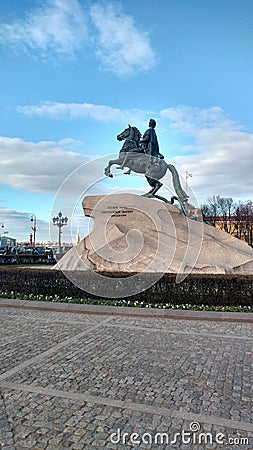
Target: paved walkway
88 381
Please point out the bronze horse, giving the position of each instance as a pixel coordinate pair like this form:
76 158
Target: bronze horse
133 157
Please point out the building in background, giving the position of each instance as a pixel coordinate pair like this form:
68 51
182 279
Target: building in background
6 241
236 218
237 227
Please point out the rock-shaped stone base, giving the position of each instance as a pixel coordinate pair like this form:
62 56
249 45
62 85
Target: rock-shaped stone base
138 234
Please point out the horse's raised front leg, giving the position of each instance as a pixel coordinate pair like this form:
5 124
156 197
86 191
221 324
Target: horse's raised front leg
108 167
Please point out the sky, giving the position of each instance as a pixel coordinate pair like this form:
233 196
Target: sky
75 73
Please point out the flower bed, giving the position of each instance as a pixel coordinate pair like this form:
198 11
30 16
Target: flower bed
124 303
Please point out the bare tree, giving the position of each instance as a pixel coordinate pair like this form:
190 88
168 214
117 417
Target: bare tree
235 218
214 207
244 217
226 206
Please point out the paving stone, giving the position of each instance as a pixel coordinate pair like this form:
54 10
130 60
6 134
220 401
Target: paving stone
154 367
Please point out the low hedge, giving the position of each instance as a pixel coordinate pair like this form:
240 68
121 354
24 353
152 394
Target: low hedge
213 290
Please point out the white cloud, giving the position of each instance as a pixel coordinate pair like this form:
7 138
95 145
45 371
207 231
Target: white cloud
99 113
37 167
18 224
54 168
64 28
223 153
58 26
121 45
192 120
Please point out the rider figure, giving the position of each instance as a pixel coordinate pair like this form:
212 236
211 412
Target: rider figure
150 146
149 141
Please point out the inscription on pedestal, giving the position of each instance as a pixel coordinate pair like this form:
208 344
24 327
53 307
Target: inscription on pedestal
117 211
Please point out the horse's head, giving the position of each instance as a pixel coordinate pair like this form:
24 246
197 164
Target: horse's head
131 133
124 134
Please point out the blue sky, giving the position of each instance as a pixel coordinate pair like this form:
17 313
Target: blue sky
74 73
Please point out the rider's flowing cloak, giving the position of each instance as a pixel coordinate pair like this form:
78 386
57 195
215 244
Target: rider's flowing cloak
151 141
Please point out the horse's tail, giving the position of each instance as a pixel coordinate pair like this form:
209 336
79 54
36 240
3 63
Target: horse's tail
181 194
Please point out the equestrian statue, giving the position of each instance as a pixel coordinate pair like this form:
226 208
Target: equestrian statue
143 156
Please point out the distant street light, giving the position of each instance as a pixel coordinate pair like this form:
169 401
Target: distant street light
34 227
60 221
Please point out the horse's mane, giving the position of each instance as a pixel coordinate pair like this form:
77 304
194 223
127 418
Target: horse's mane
137 131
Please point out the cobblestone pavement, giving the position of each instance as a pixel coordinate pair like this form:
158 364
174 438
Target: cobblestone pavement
76 381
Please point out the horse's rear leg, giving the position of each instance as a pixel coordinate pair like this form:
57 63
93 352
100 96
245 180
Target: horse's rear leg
156 185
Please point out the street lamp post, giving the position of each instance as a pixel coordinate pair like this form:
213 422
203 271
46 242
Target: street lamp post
34 227
60 221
